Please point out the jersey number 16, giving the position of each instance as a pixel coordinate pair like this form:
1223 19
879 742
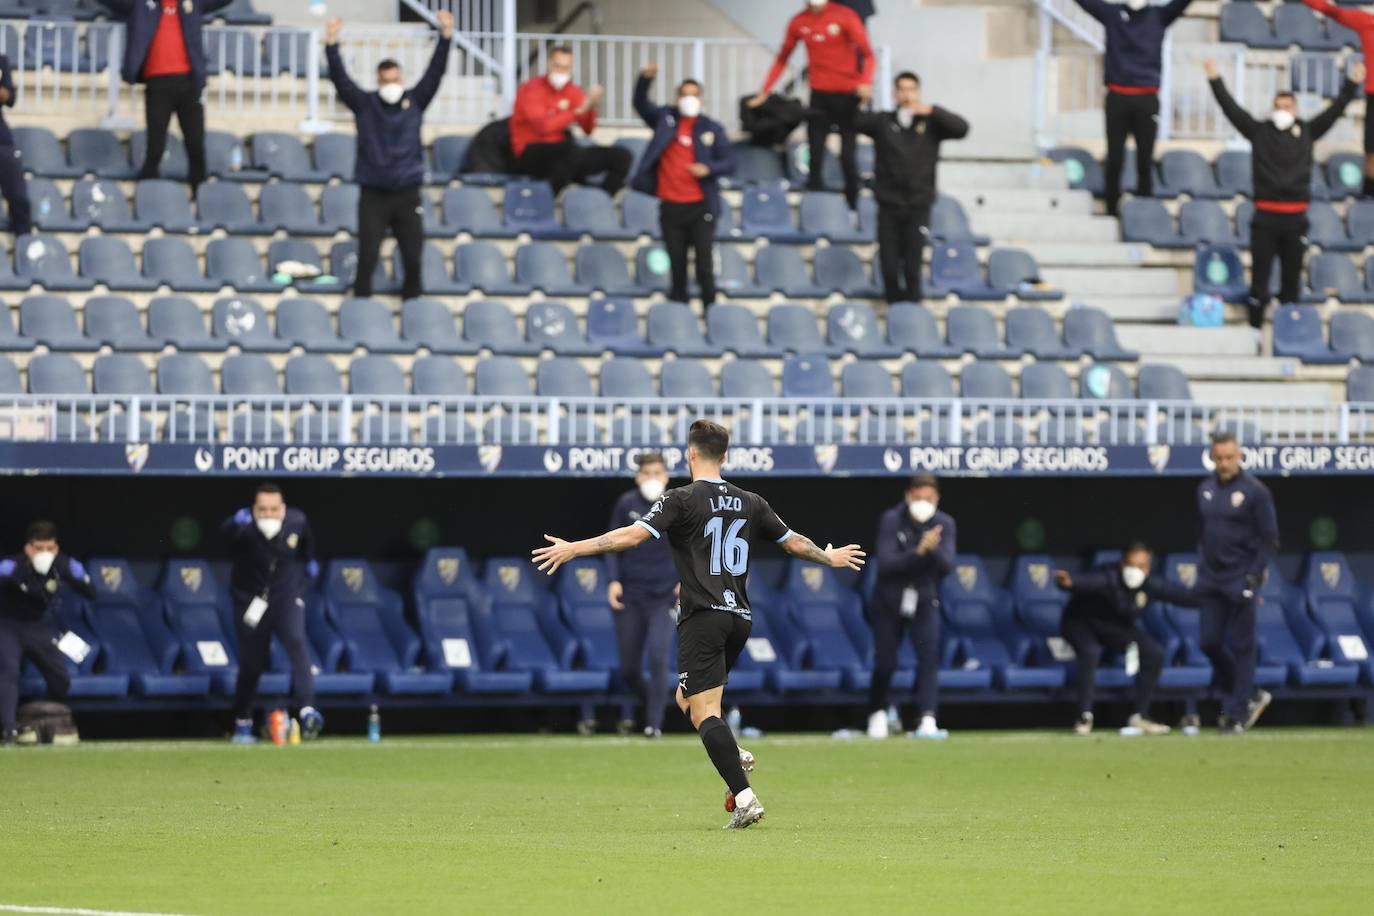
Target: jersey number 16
732 551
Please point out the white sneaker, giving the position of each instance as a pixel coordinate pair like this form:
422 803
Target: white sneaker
746 760
746 816
1084 725
929 731
877 724
1144 726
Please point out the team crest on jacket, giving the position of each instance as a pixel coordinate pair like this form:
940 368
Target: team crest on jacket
448 570
921 128
510 577
833 28
1331 574
136 453
813 577
1141 599
1237 498
586 578
826 456
1039 574
1187 574
968 577
353 578
51 586
192 577
112 576
708 138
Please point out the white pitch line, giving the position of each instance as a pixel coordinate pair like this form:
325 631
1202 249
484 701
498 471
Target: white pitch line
74 911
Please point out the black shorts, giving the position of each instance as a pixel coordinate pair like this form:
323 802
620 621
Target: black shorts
708 643
1369 125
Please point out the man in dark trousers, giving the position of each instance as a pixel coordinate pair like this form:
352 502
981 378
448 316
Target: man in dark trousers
836 41
12 183
164 49
643 594
681 167
29 582
1238 534
916 544
546 108
274 562
1281 160
906 145
391 156
1131 67
1104 613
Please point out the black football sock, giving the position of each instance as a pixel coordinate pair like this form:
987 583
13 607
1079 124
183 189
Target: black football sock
1367 189
724 753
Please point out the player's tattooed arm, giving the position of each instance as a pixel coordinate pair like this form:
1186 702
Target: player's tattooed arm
558 551
802 547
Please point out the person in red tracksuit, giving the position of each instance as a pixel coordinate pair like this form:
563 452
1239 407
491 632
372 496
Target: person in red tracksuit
546 108
835 40
1363 24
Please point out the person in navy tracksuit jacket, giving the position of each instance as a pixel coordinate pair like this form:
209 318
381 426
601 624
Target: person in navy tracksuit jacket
164 49
12 184
681 167
1238 534
29 582
1131 68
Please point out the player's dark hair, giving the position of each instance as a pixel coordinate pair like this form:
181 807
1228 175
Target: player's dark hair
923 480
41 531
560 49
388 64
647 458
1285 95
1136 547
266 486
711 440
907 75
687 82
1224 437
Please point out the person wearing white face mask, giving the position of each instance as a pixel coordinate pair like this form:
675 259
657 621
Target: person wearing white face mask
681 166
1104 615
274 563
29 584
1131 66
916 544
1281 146
642 592
391 156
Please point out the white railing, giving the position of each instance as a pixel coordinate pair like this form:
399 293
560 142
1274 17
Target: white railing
764 421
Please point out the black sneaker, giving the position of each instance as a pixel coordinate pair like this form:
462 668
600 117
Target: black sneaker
625 728
9 739
586 728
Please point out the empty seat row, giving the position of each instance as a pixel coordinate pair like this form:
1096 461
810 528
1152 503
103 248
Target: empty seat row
1186 173
68 47
1292 25
1203 222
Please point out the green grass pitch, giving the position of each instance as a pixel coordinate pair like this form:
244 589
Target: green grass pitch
1279 821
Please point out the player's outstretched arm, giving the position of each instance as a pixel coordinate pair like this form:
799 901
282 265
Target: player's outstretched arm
559 551
802 547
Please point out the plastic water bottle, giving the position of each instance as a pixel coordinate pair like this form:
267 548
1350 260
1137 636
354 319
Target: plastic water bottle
236 159
732 719
374 724
44 208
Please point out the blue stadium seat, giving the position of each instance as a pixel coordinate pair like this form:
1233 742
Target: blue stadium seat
1344 175
563 377
912 328
733 278
428 323
287 206
653 268
249 375
236 263
49 207
318 426
240 320
984 635
1091 330
973 329
173 164
543 266
438 376
1359 218
482 266
371 324
1288 636
755 165
985 381
101 202
807 375
121 373
862 379
107 260
776 655
90 677
674 328
305 323
1015 271
1234 173
115 322
50 321
1352 333
335 155
436 280
371 620
377 376
780 269
1203 222
839 270
766 212
470 210
735 329
224 205
822 615
798 159
743 379
98 152
1297 25
185 374
172 262
44 260
523 620
177 320
1162 382
529 208
41 153
612 324
601 267
343 265
1045 382
162 203
954 268
509 429
793 329
448 609
1333 605
491 325
234 51
1300 332
640 214
1335 275
1246 23
128 621
449 152
827 215
553 326
284 156
1145 220
226 157
1084 173
9 280
949 223
337 676
590 211
1102 381
312 374
1032 330
584 611
686 378
853 328
289 51
625 377
1185 172
1039 605
1326 230
1217 271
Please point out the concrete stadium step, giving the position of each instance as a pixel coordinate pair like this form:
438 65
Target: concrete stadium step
1126 309
1104 254
983 174
1022 200
1024 227
1183 341
1080 282
1270 368
1263 394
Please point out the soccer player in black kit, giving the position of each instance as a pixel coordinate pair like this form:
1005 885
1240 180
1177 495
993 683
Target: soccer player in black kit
709 524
